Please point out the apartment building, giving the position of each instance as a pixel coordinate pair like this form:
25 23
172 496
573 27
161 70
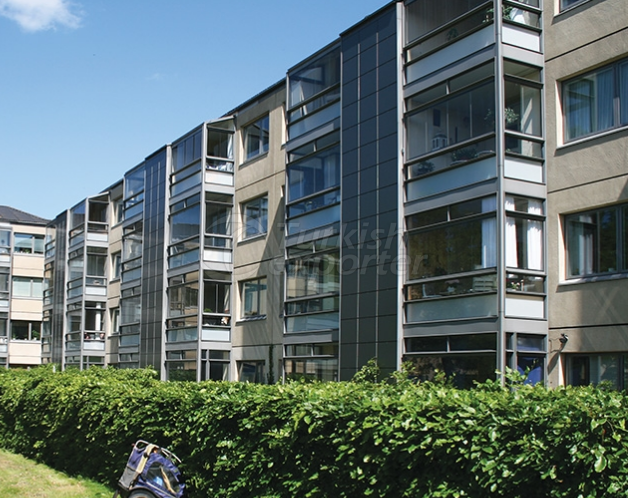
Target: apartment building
587 145
21 287
392 197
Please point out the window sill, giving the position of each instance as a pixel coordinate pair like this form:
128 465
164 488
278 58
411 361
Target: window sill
253 159
255 318
589 138
594 278
571 7
253 238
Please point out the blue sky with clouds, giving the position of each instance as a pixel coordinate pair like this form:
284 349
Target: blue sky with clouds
89 88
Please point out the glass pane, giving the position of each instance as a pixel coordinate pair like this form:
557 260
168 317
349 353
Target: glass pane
311 276
314 174
460 117
473 342
23 243
185 224
425 16
256 217
623 92
608 240
452 249
581 242
314 78
463 369
218 219
523 108
588 104
315 219
426 344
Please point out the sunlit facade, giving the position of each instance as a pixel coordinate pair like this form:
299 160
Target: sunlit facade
387 199
21 287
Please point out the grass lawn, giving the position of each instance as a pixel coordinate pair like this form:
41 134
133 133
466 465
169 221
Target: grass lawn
23 478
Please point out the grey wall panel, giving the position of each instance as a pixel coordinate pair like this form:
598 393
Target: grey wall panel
369 193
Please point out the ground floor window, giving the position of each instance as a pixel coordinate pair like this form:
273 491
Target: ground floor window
251 371
215 364
181 365
593 369
311 361
464 370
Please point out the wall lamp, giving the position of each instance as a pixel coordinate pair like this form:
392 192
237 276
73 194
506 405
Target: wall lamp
563 339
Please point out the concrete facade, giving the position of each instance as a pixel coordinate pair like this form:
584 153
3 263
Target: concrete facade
403 194
585 174
21 287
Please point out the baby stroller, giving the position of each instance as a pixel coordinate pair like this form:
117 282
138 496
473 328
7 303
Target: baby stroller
151 472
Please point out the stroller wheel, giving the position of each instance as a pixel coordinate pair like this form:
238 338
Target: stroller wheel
140 493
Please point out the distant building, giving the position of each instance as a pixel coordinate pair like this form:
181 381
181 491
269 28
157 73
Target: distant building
387 199
21 287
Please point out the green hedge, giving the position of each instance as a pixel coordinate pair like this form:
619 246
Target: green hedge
390 439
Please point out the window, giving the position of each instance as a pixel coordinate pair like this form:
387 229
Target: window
215 364
28 287
181 365
118 211
453 239
96 261
134 192
565 4
596 101
216 295
524 233
312 361
251 371
596 241
314 174
130 307
132 241
220 146
25 331
26 243
187 151
4 283
433 24
314 275
183 295
218 220
5 241
255 217
256 138
116 260
115 321
185 219
584 370
460 111
254 298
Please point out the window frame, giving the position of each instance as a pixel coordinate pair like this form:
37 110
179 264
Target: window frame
259 295
592 252
574 3
616 103
261 226
262 137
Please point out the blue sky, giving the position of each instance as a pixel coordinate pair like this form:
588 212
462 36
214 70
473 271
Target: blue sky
89 88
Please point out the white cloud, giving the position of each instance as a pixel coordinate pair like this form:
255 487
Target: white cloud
39 15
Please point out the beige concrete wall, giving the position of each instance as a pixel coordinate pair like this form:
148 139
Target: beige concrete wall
578 27
260 256
28 265
24 353
586 174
